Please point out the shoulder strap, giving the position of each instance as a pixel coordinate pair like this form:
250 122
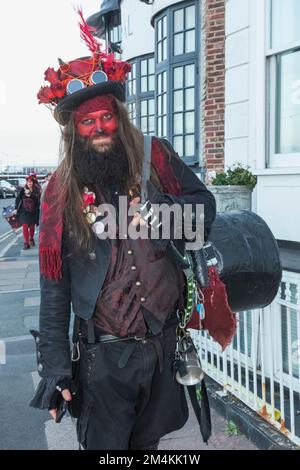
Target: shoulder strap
146 166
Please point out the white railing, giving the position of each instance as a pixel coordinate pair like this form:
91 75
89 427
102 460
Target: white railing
262 365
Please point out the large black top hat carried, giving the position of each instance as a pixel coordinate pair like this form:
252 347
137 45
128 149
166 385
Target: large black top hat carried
84 78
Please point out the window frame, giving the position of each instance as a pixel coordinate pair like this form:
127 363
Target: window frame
172 61
135 100
274 159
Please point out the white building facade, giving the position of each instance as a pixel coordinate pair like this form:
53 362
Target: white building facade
262 130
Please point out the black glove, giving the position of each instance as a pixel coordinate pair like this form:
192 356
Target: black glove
57 400
155 197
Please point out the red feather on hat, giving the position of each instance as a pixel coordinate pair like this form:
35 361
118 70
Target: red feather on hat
86 34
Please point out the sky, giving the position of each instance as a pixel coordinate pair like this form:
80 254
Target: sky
33 34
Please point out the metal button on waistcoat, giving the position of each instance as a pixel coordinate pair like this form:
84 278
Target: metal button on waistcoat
92 256
142 299
39 354
133 268
130 252
138 283
40 367
37 340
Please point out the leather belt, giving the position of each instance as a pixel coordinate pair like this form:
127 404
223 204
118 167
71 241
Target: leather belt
112 338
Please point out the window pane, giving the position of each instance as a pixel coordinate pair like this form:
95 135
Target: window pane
178 145
144 67
164 75
159 124
151 106
151 124
144 111
178 44
144 124
164 126
159 31
144 84
178 123
151 83
288 104
134 87
159 84
131 110
178 77
159 50
189 75
285 22
151 66
190 122
159 105
178 20
189 145
190 16
164 29
189 98
164 52
190 41
178 100
165 103
134 70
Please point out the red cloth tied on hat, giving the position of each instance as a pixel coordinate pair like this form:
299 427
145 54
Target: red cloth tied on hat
97 103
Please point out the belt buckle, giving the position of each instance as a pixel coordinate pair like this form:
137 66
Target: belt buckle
141 338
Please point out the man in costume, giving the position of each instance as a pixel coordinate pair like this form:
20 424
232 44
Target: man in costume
124 293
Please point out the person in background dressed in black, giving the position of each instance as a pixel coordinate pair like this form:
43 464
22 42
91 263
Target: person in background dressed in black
27 207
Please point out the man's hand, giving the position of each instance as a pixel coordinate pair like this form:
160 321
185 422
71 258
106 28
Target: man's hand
137 218
66 394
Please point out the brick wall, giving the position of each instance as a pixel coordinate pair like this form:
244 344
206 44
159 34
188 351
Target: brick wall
213 83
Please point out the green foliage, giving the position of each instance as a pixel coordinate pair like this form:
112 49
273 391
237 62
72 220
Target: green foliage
232 429
237 175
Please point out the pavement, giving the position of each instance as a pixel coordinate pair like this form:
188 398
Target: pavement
25 428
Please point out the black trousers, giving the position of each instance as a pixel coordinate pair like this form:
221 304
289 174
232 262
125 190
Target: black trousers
132 406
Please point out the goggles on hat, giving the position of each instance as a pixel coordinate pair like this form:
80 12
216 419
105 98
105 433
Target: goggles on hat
77 84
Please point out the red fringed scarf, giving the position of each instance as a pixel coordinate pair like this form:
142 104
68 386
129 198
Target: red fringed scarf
51 227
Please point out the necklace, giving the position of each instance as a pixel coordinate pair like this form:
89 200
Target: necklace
93 214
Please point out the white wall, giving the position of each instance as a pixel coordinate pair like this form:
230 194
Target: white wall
278 203
137 32
277 195
237 82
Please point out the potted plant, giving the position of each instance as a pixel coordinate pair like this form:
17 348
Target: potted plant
233 189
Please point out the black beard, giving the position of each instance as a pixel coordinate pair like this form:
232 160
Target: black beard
100 168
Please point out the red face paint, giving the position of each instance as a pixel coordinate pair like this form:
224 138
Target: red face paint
99 123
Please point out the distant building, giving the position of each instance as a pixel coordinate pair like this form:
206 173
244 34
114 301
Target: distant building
26 170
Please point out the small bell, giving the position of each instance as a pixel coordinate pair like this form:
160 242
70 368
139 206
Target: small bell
190 372
91 217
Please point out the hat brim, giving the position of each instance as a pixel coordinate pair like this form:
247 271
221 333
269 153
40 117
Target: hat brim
67 105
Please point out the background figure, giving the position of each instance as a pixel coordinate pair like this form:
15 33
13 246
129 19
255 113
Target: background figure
36 183
27 207
47 179
44 185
